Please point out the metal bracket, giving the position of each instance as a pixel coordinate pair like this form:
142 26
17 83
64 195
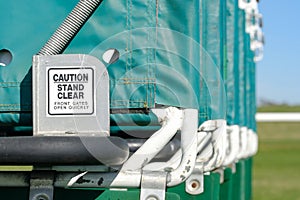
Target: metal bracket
41 185
175 119
233 140
252 143
85 110
195 183
221 172
212 151
217 147
233 167
243 143
153 185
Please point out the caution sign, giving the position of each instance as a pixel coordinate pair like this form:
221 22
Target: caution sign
70 91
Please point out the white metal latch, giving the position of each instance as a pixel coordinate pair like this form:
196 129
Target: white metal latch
217 129
233 142
252 143
244 4
211 153
243 143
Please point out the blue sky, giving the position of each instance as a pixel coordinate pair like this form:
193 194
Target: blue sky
278 74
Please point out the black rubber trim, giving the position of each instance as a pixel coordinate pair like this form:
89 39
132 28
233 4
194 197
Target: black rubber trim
66 150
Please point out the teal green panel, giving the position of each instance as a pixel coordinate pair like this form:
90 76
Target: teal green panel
212 38
236 64
250 99
193 65
141 77
237 190
226 186
211 29
117 195
249 90
232 66
252 90
132 78
242 70
223 38
26 26
242 180
248 178
253 98
129 195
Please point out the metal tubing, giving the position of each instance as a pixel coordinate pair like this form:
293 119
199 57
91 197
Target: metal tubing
166 153
68 150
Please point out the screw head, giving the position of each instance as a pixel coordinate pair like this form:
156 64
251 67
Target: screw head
194 185
41 197
152 198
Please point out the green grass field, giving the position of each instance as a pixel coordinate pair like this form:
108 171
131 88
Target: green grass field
279 108
276 172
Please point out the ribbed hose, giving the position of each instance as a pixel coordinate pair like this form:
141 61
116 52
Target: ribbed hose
70 27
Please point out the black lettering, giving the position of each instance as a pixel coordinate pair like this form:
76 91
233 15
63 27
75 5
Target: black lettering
71 77
79 77
75 87
70 87
81 95
59 87
55 77
61 78
59 95
75 96
85 77
69 95
64 86
81 87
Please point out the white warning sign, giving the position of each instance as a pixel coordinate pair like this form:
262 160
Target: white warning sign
70 91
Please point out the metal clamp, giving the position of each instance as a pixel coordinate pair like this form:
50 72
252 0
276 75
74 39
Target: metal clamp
41 186
195 183
153 185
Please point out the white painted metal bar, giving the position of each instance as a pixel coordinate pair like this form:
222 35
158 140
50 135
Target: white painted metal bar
278 117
